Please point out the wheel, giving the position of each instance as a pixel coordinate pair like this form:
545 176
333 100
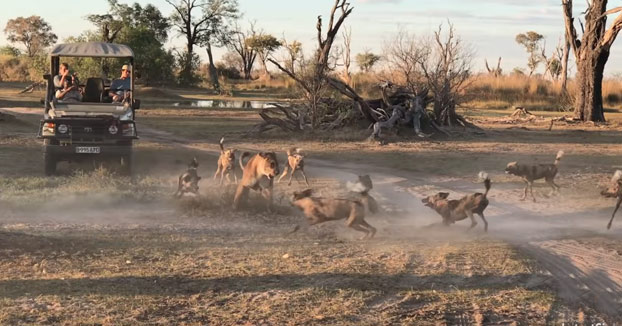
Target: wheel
49 162
126 165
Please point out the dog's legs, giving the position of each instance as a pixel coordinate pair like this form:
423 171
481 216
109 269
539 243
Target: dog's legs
285 169
228 177
304 176
526 188
473 221
614 212
372 230
235 176
552 183
485 222
531 191
217 171
289 183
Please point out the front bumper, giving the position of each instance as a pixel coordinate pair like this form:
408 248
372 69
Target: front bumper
68 152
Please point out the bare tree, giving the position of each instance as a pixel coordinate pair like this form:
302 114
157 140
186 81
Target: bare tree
294 54
495 72
404 55
248 55
198 21
448 72
591 54
564 60
314 81
347 40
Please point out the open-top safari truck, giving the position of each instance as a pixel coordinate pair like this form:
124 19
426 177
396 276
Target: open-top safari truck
93 127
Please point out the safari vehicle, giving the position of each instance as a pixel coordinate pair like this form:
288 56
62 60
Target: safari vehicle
93 128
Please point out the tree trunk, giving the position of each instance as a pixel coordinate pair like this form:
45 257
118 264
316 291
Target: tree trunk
589 101
213 73
565 56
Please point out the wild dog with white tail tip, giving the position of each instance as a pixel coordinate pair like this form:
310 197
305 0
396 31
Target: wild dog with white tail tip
532 172
615 191
295 162
319 210
258 174
189 180
226 163
457 210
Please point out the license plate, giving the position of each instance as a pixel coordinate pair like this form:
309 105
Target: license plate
88 150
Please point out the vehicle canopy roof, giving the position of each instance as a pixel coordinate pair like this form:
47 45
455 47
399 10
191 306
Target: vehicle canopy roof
92 49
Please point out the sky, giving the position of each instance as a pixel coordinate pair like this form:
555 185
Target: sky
489 26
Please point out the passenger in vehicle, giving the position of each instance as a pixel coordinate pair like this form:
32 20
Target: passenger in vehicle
63 73
119 88
69 91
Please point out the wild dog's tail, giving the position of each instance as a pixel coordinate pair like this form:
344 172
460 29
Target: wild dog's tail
194 163
294 150
616 176
558 158
487 182
370 202
245 154
221 143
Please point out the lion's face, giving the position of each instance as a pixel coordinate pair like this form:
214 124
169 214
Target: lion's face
269 166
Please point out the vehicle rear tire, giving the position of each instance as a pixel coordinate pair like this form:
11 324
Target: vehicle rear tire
49 162
126 165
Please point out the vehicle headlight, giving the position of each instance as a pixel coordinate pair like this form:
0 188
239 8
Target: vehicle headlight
63 129
128 129
113 129
48 129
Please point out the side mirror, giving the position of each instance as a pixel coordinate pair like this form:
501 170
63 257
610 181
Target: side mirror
136 105
47 77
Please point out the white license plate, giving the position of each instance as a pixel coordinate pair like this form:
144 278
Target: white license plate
87 150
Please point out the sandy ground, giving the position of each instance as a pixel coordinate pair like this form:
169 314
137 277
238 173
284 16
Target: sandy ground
566 238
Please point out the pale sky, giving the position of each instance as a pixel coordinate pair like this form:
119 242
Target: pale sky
490 26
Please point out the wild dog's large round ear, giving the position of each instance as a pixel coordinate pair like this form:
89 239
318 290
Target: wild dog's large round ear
443 195
198 178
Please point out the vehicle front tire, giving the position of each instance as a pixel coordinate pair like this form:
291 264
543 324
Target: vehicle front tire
49 162
126 165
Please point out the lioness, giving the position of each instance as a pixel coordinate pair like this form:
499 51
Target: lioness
319 210
258 174
226 163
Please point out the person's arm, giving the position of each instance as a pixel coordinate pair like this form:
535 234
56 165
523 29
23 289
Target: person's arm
61 93
58 81
113 88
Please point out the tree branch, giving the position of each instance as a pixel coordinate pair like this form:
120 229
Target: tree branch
571 32
291 74
612 32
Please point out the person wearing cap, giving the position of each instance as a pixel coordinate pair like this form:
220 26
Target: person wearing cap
119 86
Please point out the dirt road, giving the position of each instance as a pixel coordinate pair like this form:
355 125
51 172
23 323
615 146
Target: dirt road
573 245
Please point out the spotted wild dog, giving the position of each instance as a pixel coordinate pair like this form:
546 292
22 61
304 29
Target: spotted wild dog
362 187
258 174
614 191
226 163
457 210
532 172
295 162
319 210
189 180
